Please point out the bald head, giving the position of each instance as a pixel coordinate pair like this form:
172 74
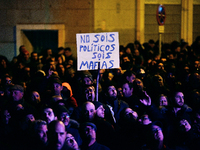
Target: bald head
56 134
88 111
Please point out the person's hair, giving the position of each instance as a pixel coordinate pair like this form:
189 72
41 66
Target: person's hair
108 84
151 41
45 106
38 123
60 48
34 126
130 46
128 73
129 84
52 124
68 49
21 48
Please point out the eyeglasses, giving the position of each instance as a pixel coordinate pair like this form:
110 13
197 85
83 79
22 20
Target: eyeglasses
64 116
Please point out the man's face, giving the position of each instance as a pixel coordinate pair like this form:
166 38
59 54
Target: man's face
49 52
68 53
137 53
163 101
64 117
130 78
48 115
131 115
8 80
57 136
52 65
161 66
145 120
90 111
26 56
100 111
126 90
139 84
17 95
71 142
30 118
42 133
178 49
57 88
179 99
157 133
35 97
34 56
90 133
87 81
126 59
112 92
90 94
159 81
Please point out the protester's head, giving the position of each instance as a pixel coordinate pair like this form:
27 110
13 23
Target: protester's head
35 97
178 98
56 86
89 93
29 117
111 91
48 114
129 76
7 80
145 120
25 54
100 111
88 111
62 114
157 81
156 131
87 80
67 51
88 132
34 56
56 134
17 92
138 85
162 100
39 129
129 115
71 142
21 48
127 89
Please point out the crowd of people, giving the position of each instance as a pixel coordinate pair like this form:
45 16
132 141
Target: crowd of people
151 102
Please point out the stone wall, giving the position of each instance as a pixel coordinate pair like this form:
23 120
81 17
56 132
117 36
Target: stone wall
76 15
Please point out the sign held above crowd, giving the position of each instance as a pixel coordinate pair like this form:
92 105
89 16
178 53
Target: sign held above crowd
93 48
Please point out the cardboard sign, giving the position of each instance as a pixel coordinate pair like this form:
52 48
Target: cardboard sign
97 47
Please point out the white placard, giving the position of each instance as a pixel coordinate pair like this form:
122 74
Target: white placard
97 47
